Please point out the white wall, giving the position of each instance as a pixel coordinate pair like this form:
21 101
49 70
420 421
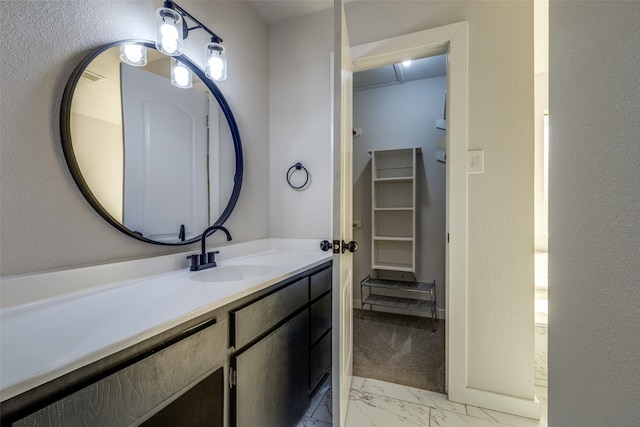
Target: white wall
500 217
594 236
300 117
45 223
98 146
402 116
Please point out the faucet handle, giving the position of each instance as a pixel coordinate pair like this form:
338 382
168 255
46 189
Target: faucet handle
194 260
211 257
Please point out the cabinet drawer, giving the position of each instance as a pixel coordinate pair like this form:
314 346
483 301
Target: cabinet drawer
134 391
320 360
320 317
257 318
320 283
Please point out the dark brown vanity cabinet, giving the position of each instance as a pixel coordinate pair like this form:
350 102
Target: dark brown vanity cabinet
283 350
253 362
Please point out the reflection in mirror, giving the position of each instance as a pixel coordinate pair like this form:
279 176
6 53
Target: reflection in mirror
159 162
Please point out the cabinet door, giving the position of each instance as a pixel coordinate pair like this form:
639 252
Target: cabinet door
201 406
272 377
144 387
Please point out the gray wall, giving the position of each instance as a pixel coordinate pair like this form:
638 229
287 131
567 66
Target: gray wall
45 223
594 236
402 116
300 125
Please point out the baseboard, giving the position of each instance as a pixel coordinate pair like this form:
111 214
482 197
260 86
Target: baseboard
503 403
440 312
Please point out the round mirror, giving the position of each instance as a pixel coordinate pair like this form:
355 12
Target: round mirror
153 147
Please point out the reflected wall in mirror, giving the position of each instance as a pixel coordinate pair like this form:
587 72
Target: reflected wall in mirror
158 162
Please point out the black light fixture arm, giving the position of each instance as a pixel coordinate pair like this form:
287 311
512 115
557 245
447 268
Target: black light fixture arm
173 5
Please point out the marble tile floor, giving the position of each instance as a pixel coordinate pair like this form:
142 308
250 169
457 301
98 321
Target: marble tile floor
319 412
375 403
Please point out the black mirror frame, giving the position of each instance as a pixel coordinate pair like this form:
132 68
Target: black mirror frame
67 145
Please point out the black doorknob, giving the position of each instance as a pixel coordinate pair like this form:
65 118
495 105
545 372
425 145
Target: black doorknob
326 245
351 246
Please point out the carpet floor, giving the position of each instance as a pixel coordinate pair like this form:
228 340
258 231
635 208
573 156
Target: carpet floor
399 349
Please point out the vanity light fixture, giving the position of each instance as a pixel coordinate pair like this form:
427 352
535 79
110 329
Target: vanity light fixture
169 31
172 29
181 76
133 54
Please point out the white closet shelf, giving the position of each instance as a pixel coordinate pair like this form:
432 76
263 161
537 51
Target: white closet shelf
395 179
394 238
394 267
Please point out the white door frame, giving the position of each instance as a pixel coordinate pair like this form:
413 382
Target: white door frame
453 40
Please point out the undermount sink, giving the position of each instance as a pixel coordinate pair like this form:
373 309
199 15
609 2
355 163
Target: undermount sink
231 273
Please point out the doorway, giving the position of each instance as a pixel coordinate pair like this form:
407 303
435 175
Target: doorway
453 40
399 109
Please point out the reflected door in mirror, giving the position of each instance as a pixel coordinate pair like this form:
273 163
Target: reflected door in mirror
165 143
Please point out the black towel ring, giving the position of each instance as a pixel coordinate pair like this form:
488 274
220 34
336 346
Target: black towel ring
298 166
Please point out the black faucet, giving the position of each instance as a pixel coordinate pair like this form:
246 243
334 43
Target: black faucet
206 260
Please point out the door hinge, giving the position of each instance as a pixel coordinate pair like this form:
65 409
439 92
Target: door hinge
233 378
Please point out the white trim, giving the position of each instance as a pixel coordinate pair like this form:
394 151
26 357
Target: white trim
502 403
451 39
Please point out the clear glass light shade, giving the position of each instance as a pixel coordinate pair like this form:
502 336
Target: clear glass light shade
169 31
180 75
215 62
133 54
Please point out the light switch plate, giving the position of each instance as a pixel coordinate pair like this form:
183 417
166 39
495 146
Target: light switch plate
475 161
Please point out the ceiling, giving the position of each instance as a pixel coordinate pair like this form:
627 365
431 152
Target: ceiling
275 11
425 68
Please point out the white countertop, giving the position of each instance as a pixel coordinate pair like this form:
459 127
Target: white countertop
44 339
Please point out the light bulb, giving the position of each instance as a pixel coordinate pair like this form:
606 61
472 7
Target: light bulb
180 75
169 37
133 54
215 61
169 31
215 67
406 63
